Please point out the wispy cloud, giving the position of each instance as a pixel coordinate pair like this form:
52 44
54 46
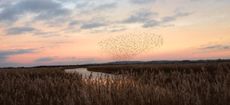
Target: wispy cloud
106 6
5 54
215 47
54 13
8 53
174 17
94 23
45 59
42 23
142 1
87 6
19 30
44 9
151 19
73 23
140 16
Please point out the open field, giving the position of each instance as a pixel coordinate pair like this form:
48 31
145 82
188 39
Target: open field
137 84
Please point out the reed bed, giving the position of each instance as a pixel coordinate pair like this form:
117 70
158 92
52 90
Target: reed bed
203 84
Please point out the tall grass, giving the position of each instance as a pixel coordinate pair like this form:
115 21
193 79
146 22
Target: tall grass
158 85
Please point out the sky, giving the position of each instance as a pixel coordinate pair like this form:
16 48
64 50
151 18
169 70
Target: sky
53 32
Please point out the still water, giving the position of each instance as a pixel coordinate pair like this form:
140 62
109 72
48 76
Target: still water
86 74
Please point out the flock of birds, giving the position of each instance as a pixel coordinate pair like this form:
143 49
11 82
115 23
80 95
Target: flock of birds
124 47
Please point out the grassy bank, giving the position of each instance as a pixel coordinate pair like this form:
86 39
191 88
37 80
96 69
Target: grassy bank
161 84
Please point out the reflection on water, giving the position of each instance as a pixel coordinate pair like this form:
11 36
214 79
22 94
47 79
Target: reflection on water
86 74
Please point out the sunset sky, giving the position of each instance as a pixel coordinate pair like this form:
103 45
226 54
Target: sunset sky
47 32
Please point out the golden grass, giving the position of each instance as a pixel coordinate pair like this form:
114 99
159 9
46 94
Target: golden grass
193 84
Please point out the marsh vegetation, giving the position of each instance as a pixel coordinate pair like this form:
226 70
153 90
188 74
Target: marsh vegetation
153 84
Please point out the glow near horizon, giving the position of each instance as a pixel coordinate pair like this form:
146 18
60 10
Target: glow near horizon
40 32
